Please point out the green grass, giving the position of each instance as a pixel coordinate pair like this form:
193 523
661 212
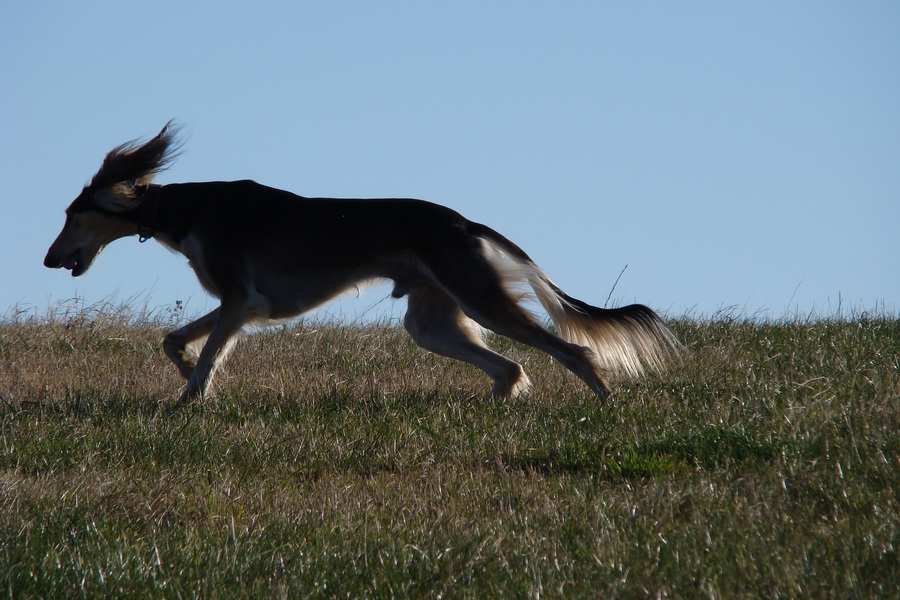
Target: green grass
344 462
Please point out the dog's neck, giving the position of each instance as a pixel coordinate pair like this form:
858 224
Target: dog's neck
149 212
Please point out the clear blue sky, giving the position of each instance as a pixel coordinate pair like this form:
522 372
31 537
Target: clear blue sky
731 154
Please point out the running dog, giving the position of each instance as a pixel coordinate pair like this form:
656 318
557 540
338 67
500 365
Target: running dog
268 254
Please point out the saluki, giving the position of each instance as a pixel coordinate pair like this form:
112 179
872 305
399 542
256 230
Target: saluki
268 254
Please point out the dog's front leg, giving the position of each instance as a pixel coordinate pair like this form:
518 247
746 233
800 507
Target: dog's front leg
175 343
227 322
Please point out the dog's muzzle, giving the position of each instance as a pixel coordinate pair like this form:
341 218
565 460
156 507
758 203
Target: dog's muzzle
71 262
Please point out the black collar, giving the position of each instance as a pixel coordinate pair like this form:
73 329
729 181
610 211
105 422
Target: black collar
150 206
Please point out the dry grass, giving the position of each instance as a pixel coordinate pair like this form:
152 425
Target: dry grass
346 462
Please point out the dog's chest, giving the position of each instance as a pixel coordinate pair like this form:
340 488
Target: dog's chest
192 249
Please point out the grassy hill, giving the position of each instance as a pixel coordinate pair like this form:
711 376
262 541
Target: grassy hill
336 462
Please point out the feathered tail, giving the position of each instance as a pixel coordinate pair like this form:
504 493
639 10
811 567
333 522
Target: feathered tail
630 340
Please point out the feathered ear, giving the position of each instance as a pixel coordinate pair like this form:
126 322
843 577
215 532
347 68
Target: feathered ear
135 163
117 198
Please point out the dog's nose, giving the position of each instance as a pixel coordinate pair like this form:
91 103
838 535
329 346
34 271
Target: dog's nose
52 261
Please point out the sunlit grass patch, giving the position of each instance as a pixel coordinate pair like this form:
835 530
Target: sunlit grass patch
336 461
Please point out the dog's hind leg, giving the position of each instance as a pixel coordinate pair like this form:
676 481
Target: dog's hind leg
480 293
516 325
436 323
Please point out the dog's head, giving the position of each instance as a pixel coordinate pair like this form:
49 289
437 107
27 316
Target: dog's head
90 225
109 207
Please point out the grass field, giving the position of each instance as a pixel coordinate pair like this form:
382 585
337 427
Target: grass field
344 462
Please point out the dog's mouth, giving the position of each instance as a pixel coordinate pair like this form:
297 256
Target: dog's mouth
72 262
75 261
